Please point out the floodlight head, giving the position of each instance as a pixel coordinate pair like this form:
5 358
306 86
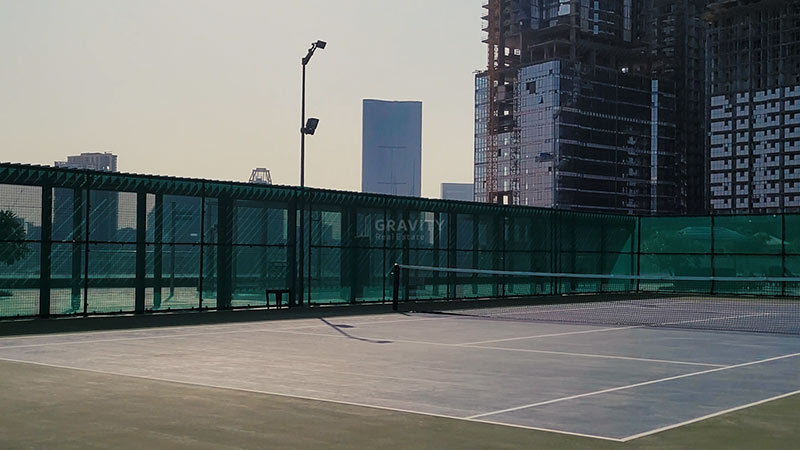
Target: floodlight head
314 46
311 126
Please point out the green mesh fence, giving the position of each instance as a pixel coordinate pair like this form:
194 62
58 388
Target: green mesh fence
748 304
79 242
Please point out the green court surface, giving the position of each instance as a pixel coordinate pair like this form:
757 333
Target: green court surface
45 407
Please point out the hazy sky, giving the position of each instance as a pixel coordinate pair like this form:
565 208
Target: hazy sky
211 89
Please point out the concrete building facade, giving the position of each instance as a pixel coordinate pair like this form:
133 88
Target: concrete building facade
754 110
104 162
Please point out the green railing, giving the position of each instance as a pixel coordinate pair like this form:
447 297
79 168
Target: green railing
94 242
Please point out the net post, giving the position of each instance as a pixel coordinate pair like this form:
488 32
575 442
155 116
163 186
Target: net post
396 287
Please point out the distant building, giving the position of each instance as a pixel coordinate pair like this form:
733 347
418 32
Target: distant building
104 205
32 230
754 112
392 148
105 162
570 113
180 219
457 191
677 37
613 148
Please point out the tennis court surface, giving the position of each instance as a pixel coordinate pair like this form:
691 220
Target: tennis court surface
617 383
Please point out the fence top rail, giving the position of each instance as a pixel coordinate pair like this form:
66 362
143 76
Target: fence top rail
39 175
584 276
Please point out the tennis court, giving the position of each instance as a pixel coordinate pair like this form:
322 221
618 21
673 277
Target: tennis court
615 383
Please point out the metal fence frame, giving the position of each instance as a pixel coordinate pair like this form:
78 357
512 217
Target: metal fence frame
350 247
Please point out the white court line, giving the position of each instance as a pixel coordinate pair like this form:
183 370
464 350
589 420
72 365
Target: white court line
504 349
631 386
657 325
317 399
744 316
478 418
366 322
550 335
589 355
292 330
212 333
617 305
216 326
552 310
111 331
710 416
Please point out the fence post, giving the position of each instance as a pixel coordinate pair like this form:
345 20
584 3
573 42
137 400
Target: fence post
225 267
292 280
86 235
141 251
452 256
202 269
158 239
76 237
396 287
46 258
349 266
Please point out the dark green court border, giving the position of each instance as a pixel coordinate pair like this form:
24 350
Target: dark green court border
54 408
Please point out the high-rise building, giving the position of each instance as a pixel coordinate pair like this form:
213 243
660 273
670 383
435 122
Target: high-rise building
570 114
754 93
677 39
458 191
104 205
392 148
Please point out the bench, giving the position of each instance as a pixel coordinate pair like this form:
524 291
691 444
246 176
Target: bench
278 296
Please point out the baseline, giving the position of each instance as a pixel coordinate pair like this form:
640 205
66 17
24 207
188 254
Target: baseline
317 399
631 386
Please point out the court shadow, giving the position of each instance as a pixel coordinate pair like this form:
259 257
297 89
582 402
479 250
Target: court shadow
340 329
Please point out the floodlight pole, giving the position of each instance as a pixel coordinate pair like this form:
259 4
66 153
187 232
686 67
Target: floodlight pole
301 259
299 292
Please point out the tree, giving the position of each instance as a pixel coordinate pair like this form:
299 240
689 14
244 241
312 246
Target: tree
12 238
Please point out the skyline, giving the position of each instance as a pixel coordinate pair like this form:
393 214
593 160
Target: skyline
217 86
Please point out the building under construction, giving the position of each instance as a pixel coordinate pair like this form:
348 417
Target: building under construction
754 91
677 40
571 112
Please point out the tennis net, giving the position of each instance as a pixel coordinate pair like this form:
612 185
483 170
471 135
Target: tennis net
752 304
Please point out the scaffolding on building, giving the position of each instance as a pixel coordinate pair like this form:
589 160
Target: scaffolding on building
594 153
